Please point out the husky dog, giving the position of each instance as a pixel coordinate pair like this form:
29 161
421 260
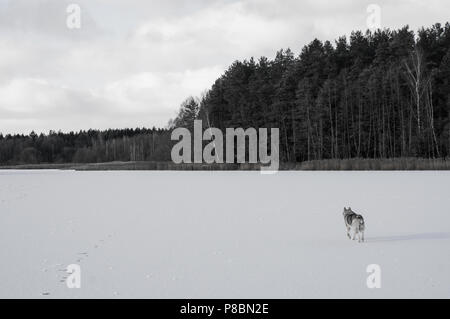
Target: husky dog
354 224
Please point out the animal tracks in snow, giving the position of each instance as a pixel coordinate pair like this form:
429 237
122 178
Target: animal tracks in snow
82 256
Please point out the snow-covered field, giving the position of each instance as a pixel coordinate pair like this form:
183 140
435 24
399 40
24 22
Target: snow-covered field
223 234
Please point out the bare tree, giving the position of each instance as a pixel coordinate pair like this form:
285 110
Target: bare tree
415 70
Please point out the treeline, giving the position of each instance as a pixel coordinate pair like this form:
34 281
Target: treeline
384 94
92 146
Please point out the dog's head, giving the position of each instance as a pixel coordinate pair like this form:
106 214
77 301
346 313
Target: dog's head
347 211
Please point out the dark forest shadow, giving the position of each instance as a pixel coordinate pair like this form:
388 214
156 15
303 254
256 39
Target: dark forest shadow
409 237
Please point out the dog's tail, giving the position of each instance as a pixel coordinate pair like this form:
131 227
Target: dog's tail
362 225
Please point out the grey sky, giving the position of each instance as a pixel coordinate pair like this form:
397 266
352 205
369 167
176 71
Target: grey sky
133 62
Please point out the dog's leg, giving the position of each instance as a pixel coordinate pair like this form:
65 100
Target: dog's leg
362 236
348 233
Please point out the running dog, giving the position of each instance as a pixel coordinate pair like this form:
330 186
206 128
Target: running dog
354 224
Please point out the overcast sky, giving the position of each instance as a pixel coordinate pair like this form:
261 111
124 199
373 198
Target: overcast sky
133 62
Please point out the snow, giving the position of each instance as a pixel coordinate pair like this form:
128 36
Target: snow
223 234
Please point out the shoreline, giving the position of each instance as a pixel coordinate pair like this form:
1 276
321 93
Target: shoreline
394 164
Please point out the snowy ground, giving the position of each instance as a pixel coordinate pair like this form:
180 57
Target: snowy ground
223 234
